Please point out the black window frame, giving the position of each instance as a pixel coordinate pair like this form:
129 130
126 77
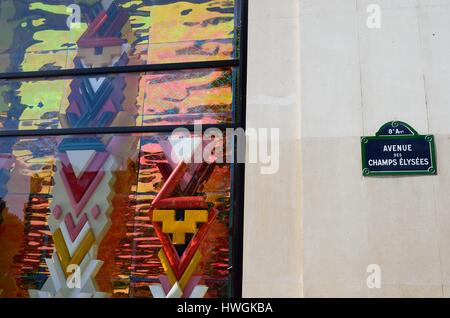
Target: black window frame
238 171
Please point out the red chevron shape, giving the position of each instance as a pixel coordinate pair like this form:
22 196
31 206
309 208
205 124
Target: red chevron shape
79 186
75 229
195 242
195 176
171 183
78 207
164 201
178 264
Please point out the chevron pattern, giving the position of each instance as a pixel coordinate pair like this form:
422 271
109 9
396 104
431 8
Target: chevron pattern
84 179
78 224
180 259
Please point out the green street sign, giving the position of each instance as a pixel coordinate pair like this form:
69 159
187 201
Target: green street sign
397 149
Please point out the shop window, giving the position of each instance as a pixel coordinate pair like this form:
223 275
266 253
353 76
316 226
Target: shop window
96 198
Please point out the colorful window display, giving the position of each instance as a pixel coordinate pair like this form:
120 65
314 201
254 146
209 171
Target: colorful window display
61 34
97 208
119 214
117 100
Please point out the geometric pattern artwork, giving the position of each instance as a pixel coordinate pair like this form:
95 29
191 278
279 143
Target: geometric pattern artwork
113 234
81 205
176 212
106 215
37 38
166 31
78 224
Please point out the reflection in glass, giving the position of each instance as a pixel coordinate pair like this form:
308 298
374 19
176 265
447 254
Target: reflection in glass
91 201
49 34
139 99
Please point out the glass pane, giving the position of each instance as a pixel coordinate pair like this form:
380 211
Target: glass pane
127 206
138 99
61 34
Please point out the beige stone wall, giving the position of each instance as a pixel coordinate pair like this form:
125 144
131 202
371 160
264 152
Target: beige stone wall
272 226
319 74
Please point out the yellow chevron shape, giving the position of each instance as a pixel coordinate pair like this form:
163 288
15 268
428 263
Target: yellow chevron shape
167 268
179 229
190 269
63 252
